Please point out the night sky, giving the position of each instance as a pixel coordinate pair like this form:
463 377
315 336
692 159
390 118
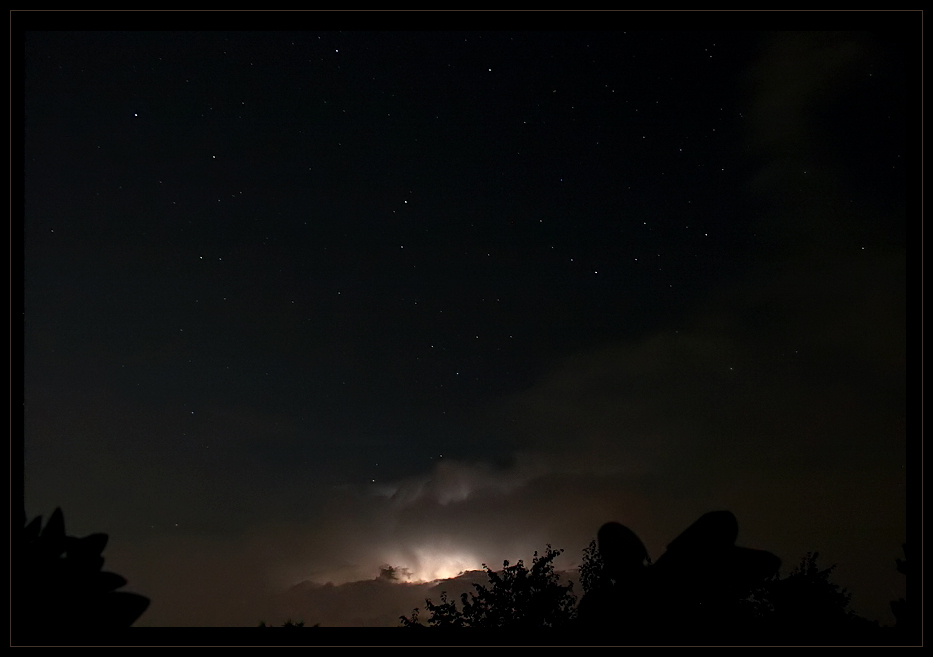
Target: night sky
301 305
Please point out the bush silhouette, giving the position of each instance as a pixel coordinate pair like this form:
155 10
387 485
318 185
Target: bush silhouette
591 571
807 608
57 583
693 592
288 623
515 599
703 590
807 596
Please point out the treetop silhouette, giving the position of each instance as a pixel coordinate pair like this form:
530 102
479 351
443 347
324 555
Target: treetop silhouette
517 598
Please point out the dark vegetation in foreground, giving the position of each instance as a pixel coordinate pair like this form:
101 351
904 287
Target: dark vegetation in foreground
58 587
703 590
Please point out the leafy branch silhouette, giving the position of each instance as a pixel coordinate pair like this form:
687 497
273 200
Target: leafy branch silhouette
58 578
516 598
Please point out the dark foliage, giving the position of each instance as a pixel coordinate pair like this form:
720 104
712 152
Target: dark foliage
516 598
58 585
591 569
702 590
289 623
706 590
908 625
806 603
807 595
806 608
690 594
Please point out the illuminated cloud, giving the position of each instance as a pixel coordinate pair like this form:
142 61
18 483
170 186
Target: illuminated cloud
453 481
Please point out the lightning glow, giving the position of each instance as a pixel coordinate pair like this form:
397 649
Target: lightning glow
430 563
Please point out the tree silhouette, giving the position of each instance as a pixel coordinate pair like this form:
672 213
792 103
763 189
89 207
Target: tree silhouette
515 599
904 613
444 614
808 592
58 583
806 607
591 569
704 589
